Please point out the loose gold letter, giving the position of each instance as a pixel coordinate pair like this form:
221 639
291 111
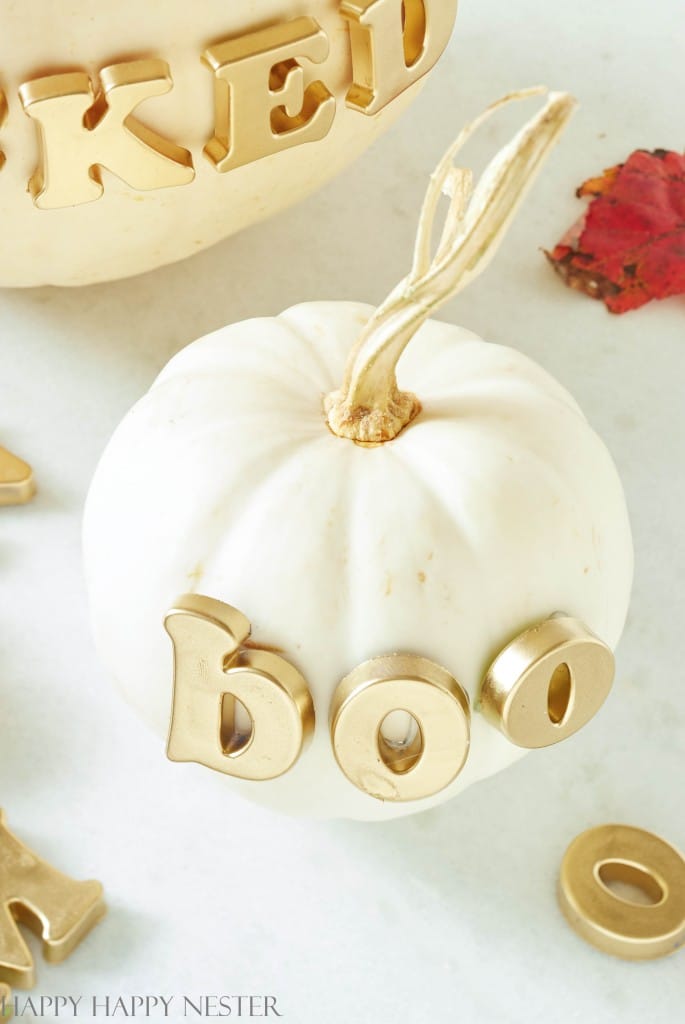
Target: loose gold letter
211 674
60 910
419 765
609 854
79 134
16 479
262 105
394 44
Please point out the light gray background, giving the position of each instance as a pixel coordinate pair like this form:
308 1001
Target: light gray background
449 916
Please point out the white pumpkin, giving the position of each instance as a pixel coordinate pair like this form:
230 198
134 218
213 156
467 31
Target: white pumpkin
494 508
128 230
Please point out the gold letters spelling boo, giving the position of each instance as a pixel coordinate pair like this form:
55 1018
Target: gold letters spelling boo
248 712
263 101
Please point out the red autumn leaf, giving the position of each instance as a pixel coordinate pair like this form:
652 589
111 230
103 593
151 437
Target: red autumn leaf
629 247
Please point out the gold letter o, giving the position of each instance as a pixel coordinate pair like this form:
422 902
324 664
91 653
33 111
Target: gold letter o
437 703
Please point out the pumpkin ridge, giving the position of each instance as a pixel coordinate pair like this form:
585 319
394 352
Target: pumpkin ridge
495 387
226 525
352 532
279 367
502 403
303 418
496 443
414 467
313 346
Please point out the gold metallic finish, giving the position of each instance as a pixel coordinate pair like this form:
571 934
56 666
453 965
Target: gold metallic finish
262 105
58 909
370 408
548 683
17 485
394 44
215 678
79 133
613 922
428 761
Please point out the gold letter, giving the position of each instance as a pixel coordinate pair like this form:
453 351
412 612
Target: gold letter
416 765
58 909
548 683
611 854
78 134
211 674
262 105
16 480
394 44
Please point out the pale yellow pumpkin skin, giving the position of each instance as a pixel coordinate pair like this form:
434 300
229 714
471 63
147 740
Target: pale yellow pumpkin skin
126 232
497 507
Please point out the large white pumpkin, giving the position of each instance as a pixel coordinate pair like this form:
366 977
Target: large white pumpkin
496 507
132 226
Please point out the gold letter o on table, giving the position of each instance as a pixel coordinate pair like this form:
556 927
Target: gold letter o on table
434 699
610 922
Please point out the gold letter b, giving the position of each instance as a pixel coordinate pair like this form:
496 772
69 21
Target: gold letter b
213 675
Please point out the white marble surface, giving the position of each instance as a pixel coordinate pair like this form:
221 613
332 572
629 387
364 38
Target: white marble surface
446 916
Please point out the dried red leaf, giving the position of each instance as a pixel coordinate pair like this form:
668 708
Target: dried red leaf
629 247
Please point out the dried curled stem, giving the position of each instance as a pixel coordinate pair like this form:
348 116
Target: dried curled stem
370 408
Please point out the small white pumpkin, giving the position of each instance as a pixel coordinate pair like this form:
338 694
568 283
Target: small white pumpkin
494 508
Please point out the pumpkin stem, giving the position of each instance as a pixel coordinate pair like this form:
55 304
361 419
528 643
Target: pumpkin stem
370 408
